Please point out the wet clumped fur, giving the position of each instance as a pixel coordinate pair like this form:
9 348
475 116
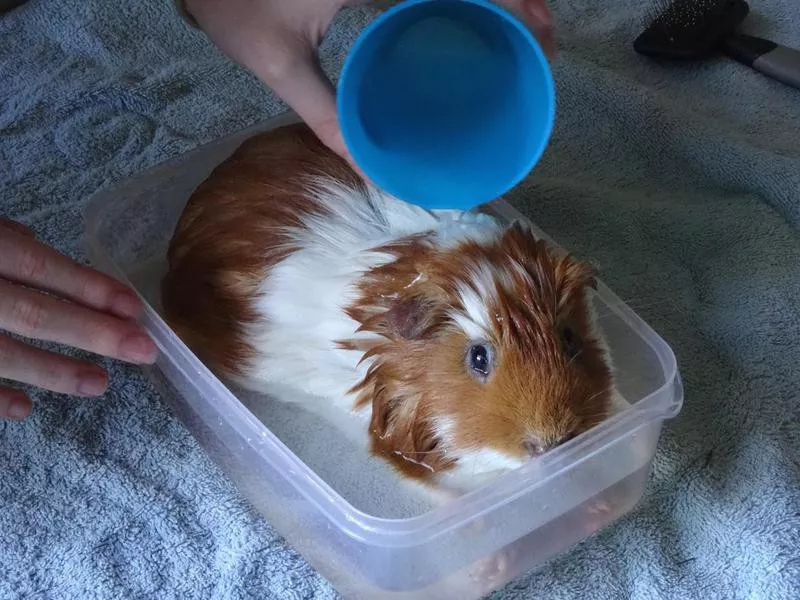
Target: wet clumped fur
457 356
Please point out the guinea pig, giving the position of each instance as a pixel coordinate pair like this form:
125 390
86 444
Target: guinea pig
460 352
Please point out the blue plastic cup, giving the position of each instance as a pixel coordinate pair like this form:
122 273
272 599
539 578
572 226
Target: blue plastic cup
446 104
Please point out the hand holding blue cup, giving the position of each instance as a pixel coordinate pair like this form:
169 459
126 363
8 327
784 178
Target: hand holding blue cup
447 104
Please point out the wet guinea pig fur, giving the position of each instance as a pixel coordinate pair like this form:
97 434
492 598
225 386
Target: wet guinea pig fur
457 352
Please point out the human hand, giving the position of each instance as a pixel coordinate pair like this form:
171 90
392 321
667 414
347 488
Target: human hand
278 39
46 296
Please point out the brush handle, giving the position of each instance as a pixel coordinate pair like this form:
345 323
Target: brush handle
776 61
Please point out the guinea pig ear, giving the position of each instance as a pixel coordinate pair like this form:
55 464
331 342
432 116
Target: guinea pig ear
410 318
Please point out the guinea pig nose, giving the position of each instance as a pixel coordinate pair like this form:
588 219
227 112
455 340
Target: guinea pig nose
534 447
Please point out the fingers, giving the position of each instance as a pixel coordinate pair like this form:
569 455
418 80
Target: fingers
14 226
303 85
538 12
47 370
312 96
300 81
34 315
14 404
27 269
29 262
536 15
277 42
273 40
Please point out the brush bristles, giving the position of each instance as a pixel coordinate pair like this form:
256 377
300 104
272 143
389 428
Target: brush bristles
689 28
687 14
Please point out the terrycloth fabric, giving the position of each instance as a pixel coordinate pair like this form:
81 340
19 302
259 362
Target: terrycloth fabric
682 182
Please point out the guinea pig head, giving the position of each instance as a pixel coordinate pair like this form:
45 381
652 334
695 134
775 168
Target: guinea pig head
483 355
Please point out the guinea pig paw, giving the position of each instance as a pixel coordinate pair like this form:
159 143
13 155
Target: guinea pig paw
600 507
492 570
478 526
597 516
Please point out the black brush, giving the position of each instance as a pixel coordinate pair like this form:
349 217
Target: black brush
697 29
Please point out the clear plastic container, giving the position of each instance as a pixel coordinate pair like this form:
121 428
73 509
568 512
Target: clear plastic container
464 549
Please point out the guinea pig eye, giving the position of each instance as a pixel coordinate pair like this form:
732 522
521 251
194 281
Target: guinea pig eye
479 360
571 343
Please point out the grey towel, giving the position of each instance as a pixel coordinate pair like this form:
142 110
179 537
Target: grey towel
681 182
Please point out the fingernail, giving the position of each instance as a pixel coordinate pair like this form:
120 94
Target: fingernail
549 44
138 348
126 304
92 384
20 408
540 12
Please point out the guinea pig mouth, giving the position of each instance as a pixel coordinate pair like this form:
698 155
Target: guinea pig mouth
534 446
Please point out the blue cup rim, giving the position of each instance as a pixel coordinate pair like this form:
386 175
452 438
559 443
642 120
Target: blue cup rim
346 124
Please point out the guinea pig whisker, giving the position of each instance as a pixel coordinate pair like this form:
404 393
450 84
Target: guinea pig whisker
414 461
601 392
419 452
607 309
637 303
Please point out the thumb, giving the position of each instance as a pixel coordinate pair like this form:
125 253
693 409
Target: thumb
537 16
304 86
